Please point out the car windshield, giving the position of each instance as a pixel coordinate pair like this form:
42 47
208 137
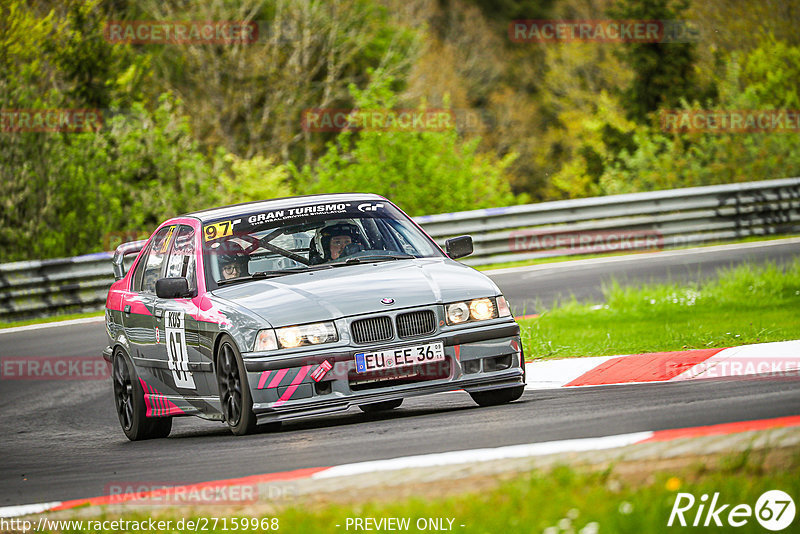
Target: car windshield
310 237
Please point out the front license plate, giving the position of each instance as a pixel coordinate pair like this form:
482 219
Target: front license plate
399 357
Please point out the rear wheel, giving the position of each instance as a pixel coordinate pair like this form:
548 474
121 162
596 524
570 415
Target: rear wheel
381 406
129 402
497 396
234 391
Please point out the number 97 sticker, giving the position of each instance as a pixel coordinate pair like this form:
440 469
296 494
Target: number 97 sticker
218 230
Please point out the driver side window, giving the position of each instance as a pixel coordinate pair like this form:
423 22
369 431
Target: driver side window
145 281
182 260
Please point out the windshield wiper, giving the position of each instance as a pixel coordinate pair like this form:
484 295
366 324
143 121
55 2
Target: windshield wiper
372 259
261 275
225 281
293 270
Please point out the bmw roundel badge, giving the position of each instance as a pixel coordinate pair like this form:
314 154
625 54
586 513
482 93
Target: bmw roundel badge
387 301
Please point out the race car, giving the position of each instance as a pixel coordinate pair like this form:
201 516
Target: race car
262 312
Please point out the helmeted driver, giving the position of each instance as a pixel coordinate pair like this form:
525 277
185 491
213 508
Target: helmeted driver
336 237
233 260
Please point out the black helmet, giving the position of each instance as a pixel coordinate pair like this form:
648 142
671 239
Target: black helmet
232 252
338 229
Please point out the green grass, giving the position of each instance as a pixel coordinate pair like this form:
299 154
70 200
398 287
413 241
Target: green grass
624 498
560 259
746 304
55 318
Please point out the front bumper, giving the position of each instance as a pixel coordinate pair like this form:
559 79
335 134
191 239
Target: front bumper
477 358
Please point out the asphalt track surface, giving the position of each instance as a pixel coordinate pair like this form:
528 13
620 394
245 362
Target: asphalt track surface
61 440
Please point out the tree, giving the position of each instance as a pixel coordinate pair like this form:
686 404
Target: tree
764 79
424 172
663 72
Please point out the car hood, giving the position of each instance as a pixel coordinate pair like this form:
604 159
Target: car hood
357 289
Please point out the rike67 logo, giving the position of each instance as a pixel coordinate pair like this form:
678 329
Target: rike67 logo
774 510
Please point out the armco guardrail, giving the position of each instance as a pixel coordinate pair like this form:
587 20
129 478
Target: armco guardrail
659 219
48 287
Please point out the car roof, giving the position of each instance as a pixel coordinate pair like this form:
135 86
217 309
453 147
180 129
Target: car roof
279 203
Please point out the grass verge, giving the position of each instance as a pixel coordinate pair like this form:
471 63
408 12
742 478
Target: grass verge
746 304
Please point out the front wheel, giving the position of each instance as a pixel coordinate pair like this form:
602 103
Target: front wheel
129 402
497 396
234 391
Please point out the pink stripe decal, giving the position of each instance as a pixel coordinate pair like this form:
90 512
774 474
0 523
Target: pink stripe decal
277 378
263 379
148 410
293 386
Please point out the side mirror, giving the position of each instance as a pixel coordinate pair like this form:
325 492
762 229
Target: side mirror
172 288
458 247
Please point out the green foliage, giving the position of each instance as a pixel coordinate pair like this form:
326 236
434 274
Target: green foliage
759 80
423 172
663 72
771 73
71 190
562 120
258 178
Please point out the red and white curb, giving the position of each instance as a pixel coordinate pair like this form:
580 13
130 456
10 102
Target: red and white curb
780 359
422 461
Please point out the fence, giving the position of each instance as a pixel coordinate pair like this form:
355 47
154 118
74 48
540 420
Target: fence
653 220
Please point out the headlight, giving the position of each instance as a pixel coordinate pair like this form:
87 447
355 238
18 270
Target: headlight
474 310
458 312
481 309
307 334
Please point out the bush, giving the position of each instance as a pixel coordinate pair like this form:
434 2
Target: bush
423 172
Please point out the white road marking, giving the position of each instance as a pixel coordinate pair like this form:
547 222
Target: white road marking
484 455
27 509
38 326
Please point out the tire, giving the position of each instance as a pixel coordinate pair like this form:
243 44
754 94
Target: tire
129 404
381 406
497 396
234 391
